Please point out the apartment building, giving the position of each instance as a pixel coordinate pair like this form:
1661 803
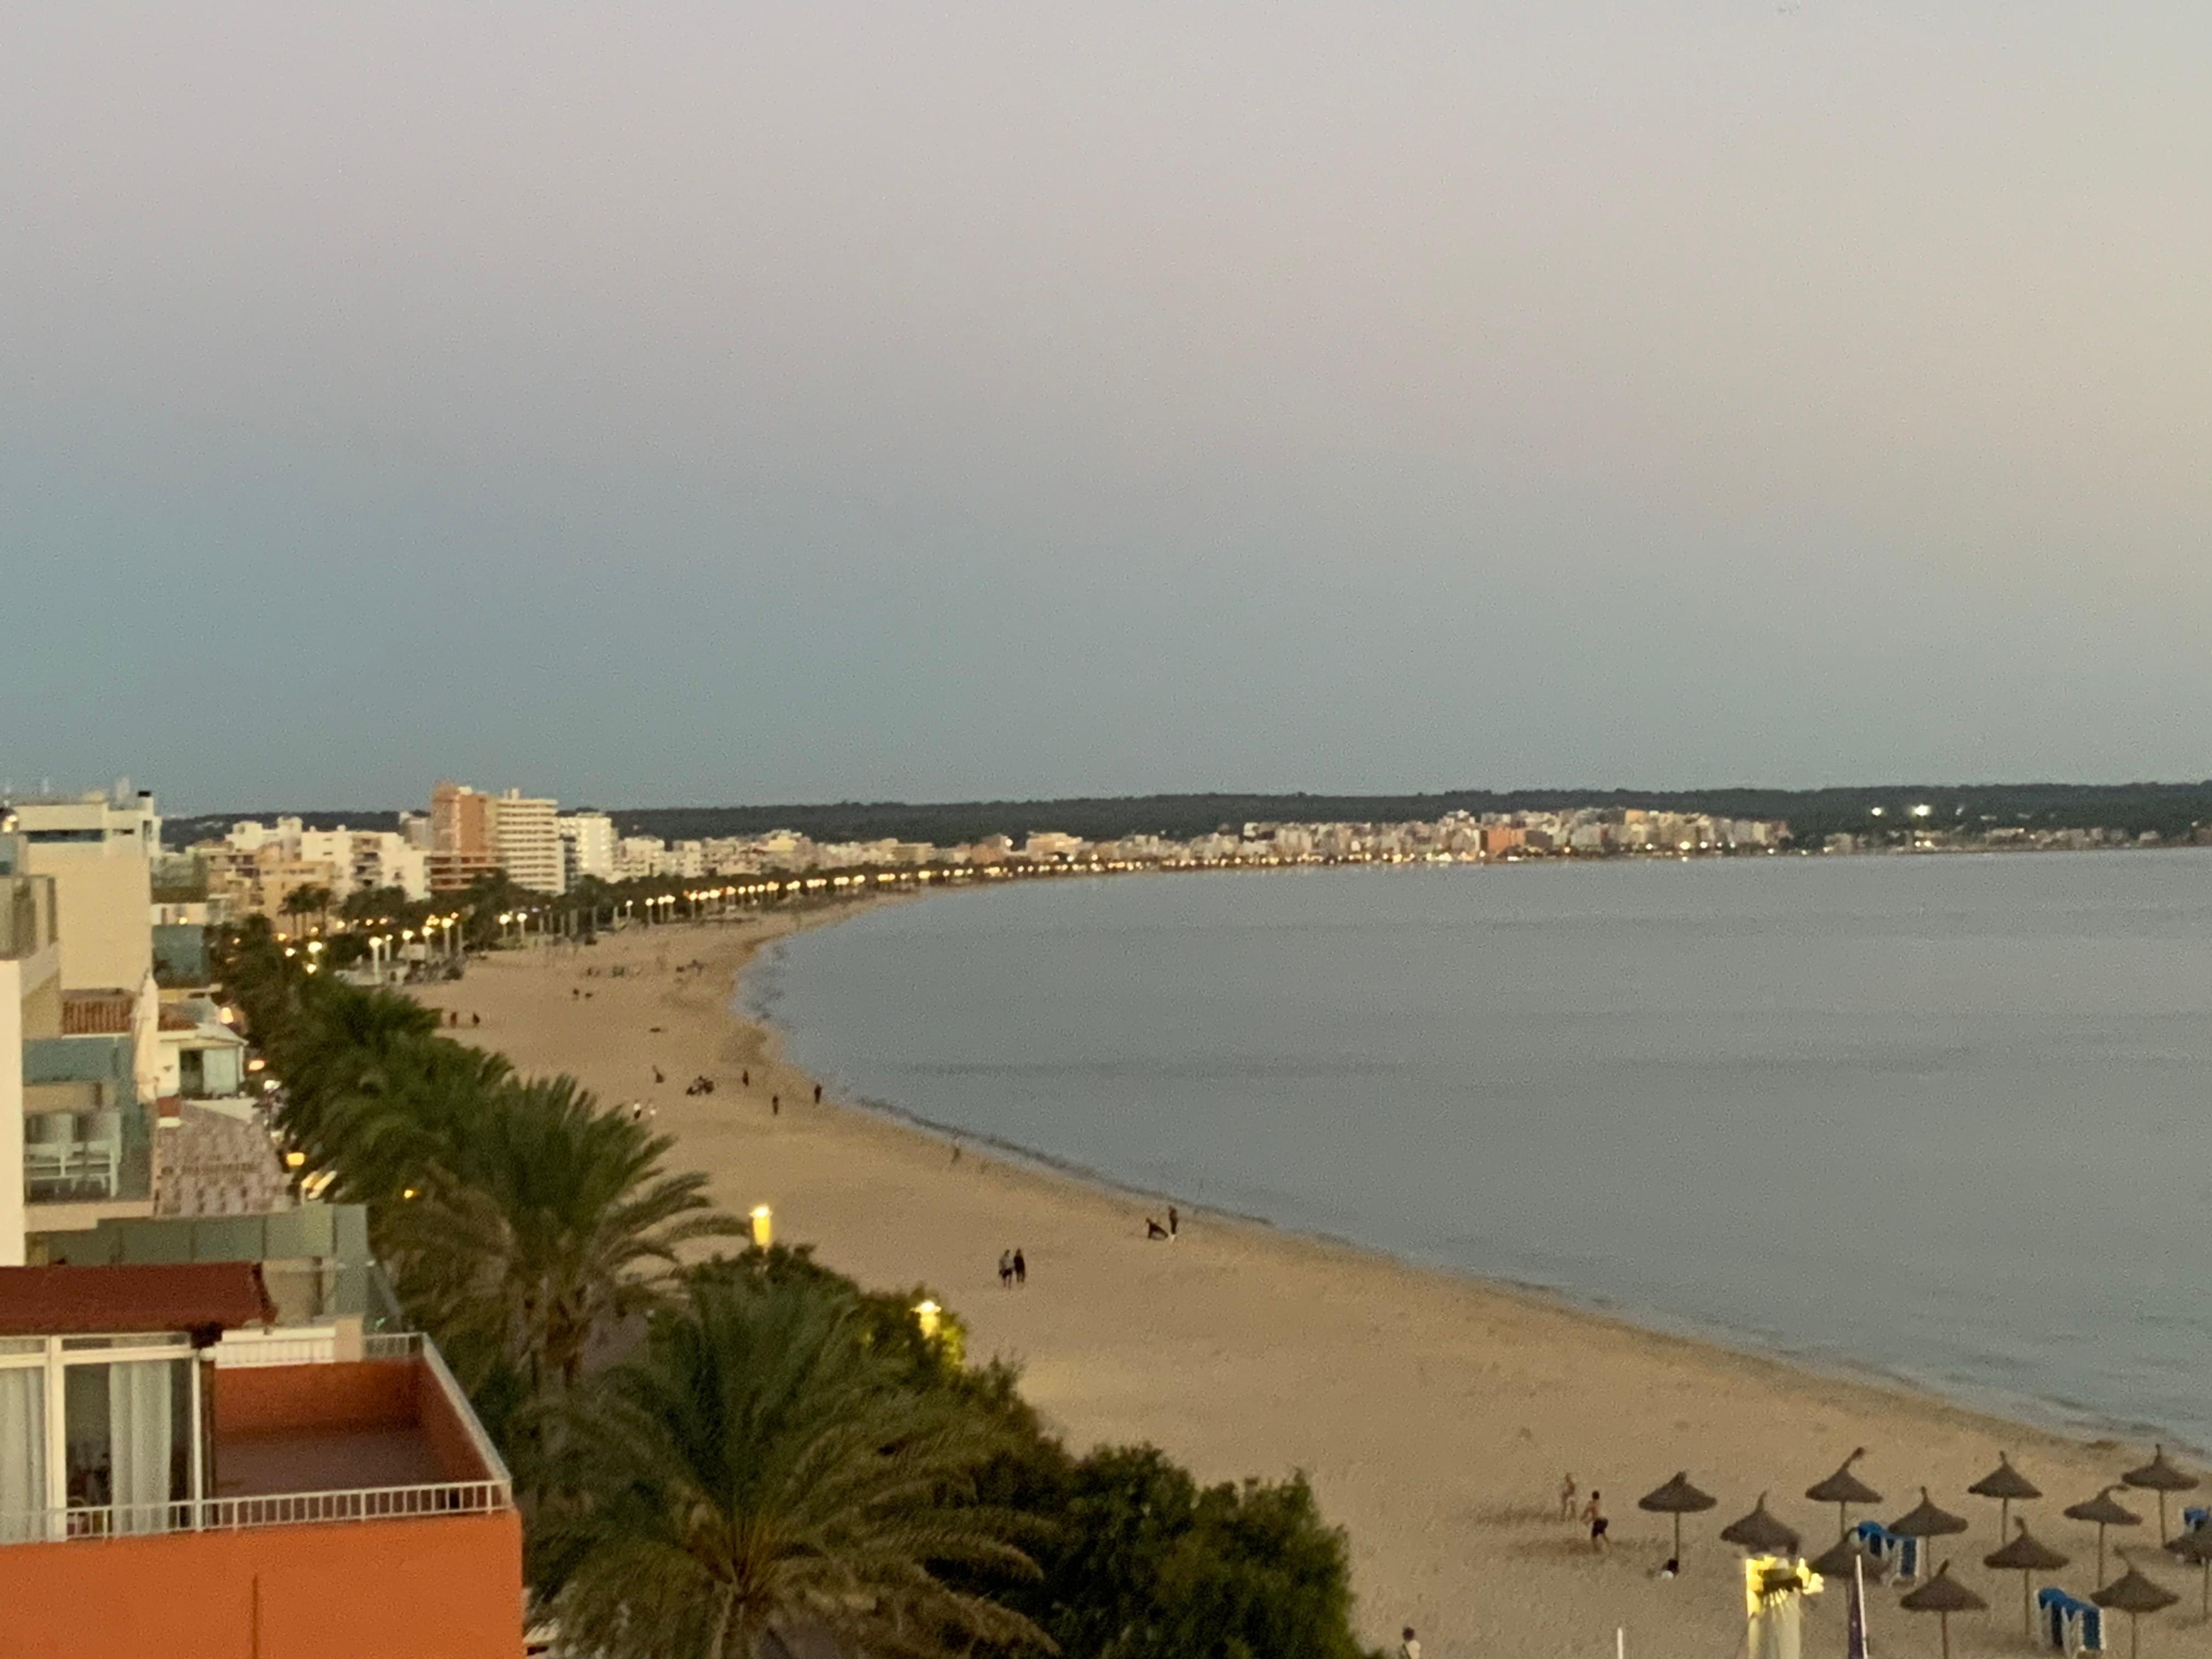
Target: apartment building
525 838
100 851
181 1474
587 847
473 834
30 1008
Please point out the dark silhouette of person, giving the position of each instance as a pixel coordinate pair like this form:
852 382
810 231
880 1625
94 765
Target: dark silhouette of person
818 1094
1021 1267
775 1105
1175 1222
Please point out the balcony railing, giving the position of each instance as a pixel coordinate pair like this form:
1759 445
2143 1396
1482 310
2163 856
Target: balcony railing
298 1509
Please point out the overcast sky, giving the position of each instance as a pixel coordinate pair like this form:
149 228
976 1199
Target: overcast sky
665 404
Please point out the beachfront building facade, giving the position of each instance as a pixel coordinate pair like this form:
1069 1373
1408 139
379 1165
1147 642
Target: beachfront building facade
587 847
77 1133
179 1476
525 838
30 1008
100 850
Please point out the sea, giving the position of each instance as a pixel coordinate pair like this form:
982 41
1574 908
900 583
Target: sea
1942 1118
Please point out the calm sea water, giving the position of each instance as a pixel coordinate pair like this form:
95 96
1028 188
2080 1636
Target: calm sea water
1945 1117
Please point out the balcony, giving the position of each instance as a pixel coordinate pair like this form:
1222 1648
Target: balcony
294 1440
274 1502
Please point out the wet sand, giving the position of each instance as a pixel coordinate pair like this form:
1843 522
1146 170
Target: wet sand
1435 1414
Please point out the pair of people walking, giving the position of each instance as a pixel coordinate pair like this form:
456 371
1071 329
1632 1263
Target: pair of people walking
1013 1268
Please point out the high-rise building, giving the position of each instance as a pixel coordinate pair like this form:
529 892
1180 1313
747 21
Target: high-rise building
587 847
99 849
460 818
525 839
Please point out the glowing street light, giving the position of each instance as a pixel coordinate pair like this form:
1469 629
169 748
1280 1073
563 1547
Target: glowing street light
763 1220
927 1315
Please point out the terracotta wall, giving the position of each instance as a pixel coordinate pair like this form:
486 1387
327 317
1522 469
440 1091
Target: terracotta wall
358 1394
449 1588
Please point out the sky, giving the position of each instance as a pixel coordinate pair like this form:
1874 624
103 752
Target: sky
663 404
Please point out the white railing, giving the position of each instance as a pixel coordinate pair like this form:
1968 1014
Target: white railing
293 1509
253 1348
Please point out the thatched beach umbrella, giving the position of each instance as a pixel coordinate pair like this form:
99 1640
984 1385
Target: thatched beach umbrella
1924 1521
2135 1596
2195 1548
1760 1532
1942 1596
2005 1483
1843 1557
2105 1513
1678 1497
2161 1477
1843 1489
2025 1554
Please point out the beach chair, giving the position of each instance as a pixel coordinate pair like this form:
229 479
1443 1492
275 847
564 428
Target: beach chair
2193 1520
2067 1624
49 1139
100 1152
1900 1557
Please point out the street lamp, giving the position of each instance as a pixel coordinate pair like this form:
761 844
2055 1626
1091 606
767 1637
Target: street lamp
926 1315
763 1220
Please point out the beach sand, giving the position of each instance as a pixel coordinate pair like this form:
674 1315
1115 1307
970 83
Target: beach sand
1435 1414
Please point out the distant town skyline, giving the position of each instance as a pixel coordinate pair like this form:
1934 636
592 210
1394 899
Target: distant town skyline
1022 402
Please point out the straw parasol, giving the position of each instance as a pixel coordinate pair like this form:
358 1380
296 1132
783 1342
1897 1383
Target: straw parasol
1678 1497
2195 1548
2161 1477
1843 1557
2005 1484
1760 1532
2105 1513
1843 1489
2026 1554
2135 1596
1924 1521
1942 1596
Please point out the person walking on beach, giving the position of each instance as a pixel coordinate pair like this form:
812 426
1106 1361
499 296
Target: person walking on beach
1567 1498
1409 1645
1593 1512
1175 1222
775 1105
1021 1267
1006 1270
818 1094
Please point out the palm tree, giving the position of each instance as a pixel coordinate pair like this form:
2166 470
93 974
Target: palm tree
549 1222
298 904
333 1040
756 1471
402 1119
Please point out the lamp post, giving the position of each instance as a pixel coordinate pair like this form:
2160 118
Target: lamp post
763 1221
927 1315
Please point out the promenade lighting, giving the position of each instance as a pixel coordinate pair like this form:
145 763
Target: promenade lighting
927 1315
763 1221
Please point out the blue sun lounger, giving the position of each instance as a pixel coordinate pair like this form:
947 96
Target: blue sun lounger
1901 1556
2067 1624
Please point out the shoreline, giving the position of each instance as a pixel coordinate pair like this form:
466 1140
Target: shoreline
1435 1411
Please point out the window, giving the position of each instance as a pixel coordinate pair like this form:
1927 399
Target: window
98 1435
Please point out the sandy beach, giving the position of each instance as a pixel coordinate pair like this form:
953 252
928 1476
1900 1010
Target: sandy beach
1436 1415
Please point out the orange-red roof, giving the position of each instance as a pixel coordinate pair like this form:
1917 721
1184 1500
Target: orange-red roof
86 1301
96 1014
